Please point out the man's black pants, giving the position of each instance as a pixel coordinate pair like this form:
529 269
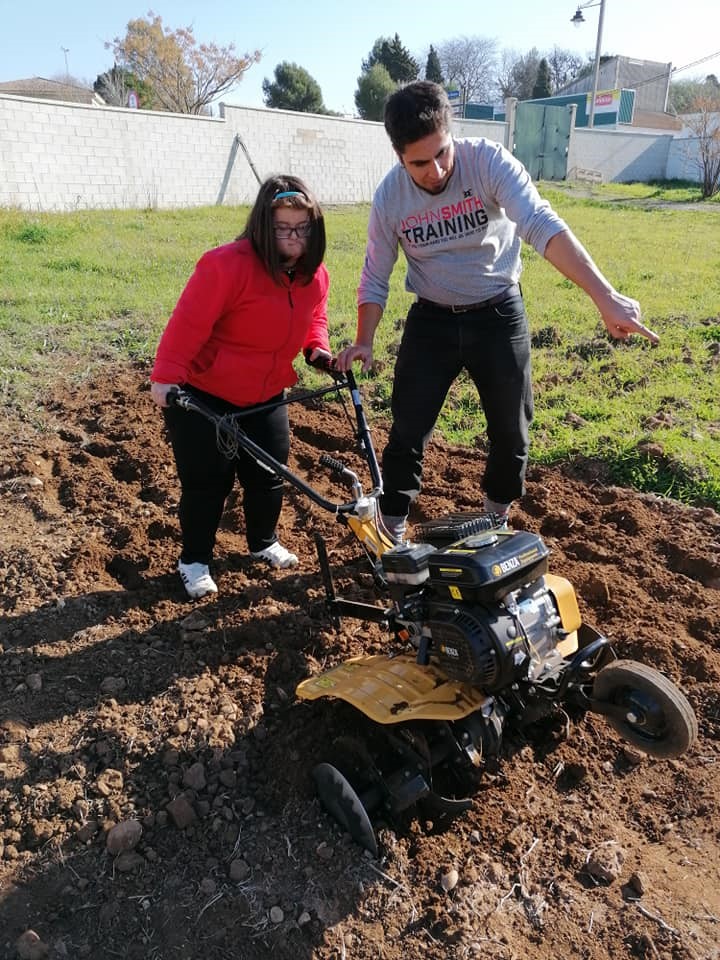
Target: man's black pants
493 345
207 475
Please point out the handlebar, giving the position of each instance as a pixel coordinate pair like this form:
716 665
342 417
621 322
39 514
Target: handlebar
231 431
177 398
347 378
344 473
326 364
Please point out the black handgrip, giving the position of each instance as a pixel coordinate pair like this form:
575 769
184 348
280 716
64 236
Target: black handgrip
320 363
326 364
177 397
335 465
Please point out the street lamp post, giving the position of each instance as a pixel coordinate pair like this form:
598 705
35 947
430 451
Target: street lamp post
577 19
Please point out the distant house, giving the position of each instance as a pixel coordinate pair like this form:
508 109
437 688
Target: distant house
648 79
42 89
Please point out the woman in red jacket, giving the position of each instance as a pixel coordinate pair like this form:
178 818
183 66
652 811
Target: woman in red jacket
247 311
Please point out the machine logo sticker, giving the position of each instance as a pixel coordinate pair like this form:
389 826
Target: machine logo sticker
505 566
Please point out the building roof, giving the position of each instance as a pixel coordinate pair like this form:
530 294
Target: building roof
43 89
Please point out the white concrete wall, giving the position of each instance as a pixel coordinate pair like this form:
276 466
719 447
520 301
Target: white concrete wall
684 160
61 156
618 155
492 129
342 160
64 156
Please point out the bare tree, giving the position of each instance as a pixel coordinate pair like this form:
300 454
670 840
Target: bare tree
70 80
470 64
683 93
115 85
518 74
184 76
564 66
504 74
518 71
704 124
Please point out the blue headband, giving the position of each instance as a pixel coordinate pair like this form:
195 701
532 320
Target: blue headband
289 193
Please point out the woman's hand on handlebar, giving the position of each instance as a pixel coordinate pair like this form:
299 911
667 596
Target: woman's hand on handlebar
317 357
159 392
358 351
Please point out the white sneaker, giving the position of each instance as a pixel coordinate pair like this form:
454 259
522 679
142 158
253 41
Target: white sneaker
501 511
277 556
396 527
496 507
196 579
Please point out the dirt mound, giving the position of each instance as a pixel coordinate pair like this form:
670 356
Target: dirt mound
124 702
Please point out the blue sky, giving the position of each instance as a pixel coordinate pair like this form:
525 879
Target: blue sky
330 38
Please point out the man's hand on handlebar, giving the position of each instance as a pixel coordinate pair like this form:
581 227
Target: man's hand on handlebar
159 392
358 351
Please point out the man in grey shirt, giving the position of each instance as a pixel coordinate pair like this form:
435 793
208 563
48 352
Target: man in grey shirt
459 209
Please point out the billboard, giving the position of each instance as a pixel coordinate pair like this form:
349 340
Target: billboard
606 101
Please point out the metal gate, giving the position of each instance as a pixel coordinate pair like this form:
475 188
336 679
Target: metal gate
542 139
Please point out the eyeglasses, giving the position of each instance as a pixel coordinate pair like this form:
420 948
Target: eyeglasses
301 231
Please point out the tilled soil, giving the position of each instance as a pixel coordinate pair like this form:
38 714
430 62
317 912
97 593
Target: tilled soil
125 704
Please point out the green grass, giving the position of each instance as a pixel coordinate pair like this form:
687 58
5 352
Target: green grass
96 287
662 191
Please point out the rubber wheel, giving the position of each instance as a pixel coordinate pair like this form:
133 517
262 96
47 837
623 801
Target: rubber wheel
658 717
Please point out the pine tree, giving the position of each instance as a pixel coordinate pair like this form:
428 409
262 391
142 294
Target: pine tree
392 55
293 89
543 86
433 71
374 86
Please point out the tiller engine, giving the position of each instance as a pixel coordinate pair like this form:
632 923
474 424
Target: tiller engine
497 644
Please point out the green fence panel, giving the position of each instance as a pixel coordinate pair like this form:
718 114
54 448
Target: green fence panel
542 139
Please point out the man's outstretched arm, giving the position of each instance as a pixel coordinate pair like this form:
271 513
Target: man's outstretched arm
620 314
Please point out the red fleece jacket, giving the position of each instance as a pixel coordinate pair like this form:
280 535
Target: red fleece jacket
235 332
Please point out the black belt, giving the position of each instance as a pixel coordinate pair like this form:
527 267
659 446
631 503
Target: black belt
511 291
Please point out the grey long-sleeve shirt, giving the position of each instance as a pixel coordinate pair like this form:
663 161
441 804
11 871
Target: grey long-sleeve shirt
462 245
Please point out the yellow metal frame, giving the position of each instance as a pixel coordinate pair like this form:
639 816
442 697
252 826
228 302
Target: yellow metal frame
566 600
366 531
393 690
